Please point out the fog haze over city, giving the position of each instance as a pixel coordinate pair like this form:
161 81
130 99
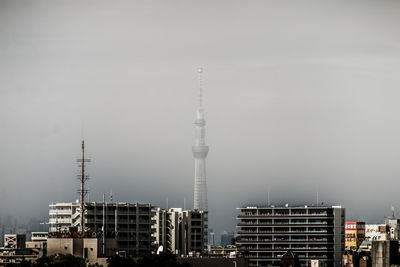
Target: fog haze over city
299 98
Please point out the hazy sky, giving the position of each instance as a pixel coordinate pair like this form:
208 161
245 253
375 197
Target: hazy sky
300 97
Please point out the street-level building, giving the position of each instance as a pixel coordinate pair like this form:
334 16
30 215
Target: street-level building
311 233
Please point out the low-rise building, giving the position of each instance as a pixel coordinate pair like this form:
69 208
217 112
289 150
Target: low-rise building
95 250
14 241
377 232
14 250
354 234
38 242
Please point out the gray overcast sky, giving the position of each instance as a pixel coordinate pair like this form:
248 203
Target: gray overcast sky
300 96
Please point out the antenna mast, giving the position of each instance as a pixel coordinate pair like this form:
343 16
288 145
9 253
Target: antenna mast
82 177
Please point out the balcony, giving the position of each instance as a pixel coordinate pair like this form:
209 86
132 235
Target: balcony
60 212
60 221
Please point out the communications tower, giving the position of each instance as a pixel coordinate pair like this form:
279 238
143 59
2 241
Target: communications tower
200 151
82 177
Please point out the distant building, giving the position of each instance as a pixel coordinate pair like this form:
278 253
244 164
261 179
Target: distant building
38 242
181 232
14 250
14 241
312 233
354 234
377 232
211 238
394 227
227 239
130 224
229 252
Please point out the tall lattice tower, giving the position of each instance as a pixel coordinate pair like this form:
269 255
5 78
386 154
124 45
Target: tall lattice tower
82 177
200 151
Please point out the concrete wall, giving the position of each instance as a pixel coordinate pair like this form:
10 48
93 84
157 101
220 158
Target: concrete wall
384 253
60 246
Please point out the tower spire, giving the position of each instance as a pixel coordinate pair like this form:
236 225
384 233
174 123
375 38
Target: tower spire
200 71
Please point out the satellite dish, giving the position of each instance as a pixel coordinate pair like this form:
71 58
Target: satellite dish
160 249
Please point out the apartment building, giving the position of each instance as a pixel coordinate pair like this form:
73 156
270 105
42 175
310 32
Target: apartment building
312 233
182 232
131 224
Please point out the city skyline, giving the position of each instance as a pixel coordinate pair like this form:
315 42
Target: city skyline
301 98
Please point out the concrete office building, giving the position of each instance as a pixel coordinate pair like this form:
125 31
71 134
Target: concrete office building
130 224
312 233
182 232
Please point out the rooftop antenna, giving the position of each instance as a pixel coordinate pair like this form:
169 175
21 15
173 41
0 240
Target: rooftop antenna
393 212
184 203
268 198
82 177
166 202
317 197
111 196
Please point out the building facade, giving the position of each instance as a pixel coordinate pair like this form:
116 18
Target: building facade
182 232
130 224
354 234
312 233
